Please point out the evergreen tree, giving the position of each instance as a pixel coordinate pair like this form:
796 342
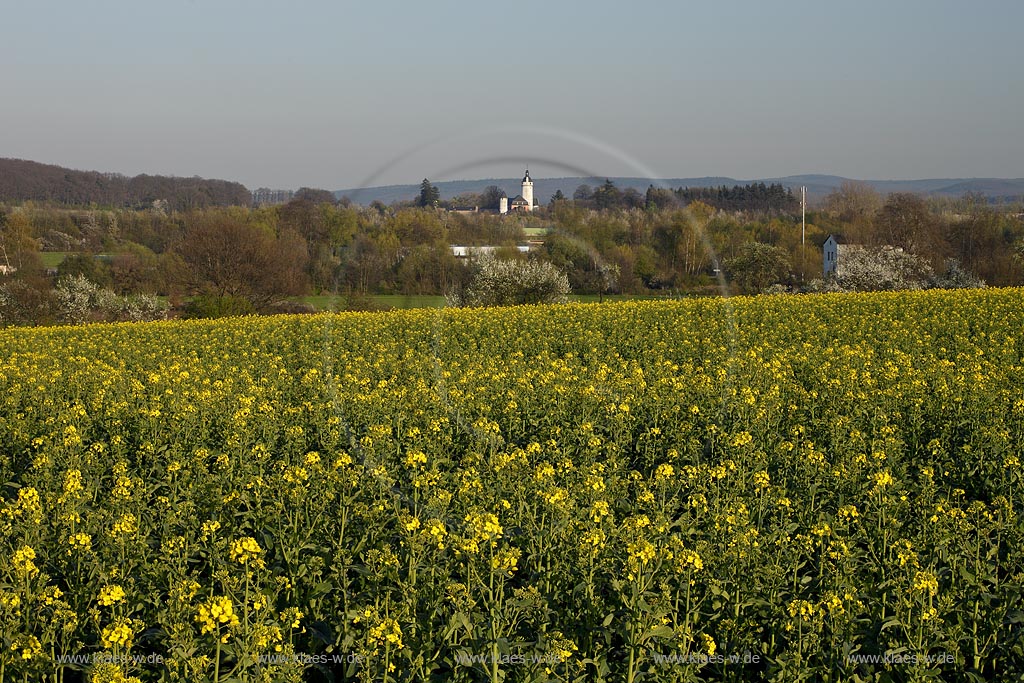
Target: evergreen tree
429 194
607 196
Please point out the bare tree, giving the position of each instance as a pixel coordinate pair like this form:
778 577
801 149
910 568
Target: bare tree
853 201
227 257
906 221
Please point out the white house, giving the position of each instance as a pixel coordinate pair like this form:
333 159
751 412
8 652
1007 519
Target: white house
521 202
830 255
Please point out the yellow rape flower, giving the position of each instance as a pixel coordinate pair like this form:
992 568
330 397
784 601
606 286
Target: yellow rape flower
121 633
80 541
111 595
27 647
23 562
215 613
506 560
125 525
246 550
386 632
926 582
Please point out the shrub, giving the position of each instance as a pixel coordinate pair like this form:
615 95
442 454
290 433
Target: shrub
873 269
25 303
76 297
218 306
957 277
511 282
758 267
80 300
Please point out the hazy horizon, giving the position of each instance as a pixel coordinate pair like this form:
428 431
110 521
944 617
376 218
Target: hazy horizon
349 95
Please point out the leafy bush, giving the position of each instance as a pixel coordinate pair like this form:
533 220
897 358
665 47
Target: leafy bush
511 282
884 268
214 306
88 265
876 269
22 303
76 298
356 301
758 266
141 307
957 277
80 300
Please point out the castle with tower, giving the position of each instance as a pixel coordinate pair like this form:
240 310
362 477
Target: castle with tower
521 202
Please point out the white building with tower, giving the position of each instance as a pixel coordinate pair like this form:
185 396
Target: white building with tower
521 202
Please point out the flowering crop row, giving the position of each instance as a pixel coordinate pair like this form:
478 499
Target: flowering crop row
541 493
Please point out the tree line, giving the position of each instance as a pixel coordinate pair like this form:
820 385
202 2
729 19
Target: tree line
22 180
243 259
753 197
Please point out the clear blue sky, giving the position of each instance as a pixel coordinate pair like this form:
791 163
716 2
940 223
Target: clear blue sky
336 94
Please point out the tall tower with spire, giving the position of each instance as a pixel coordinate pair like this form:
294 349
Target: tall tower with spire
528 191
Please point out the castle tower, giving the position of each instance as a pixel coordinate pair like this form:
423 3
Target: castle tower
528 190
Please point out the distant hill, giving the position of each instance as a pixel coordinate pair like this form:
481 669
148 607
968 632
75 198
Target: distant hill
22 180
818 186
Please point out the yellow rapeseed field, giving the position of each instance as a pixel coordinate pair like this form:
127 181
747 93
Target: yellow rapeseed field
773 488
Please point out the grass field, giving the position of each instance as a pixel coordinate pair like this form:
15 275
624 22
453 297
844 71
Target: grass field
802 488
53 259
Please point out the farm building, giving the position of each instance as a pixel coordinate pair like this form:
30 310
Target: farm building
832 253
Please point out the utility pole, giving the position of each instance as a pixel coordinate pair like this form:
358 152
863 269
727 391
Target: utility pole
803 232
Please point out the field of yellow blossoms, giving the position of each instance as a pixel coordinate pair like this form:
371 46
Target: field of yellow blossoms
819 488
